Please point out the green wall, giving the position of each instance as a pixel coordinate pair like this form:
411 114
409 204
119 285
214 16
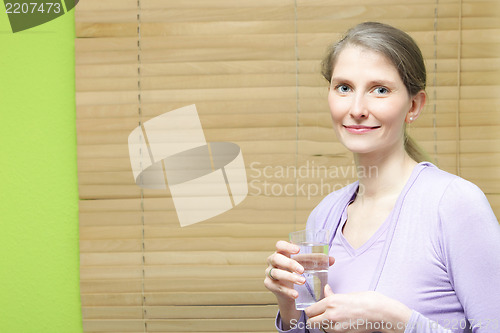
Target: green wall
39 260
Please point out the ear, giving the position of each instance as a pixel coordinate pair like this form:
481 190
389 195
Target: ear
417 105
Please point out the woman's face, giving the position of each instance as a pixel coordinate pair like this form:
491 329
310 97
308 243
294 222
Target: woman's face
368 102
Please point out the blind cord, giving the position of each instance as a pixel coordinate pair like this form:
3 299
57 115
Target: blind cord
297 112
139 109
434 83
459 85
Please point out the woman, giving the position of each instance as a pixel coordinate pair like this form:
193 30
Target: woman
416 249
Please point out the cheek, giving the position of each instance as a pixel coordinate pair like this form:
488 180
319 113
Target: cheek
393 118
338 107
390 111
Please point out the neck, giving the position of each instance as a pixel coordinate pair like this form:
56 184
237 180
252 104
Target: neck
382 176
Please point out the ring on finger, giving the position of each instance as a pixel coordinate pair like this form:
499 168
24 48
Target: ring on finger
270 274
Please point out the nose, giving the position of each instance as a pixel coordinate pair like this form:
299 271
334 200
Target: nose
359 108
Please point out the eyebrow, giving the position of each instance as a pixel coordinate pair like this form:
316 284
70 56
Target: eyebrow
381 82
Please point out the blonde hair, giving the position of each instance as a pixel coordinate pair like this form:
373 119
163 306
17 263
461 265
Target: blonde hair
400 49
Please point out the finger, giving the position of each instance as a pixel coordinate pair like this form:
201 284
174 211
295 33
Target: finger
277 288
328 291
320 322
284 276
331 261
279 260
317 308
287 248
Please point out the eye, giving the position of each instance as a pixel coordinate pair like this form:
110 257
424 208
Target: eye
343 88
381 90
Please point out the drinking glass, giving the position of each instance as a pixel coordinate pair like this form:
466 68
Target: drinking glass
313 256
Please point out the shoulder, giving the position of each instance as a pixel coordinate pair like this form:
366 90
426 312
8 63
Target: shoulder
452 187
454 196
447 186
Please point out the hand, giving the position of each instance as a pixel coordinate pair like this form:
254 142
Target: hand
361 312
282 271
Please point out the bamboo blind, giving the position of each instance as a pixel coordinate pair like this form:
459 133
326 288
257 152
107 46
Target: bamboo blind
252 69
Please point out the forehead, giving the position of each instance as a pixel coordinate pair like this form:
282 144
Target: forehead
356 59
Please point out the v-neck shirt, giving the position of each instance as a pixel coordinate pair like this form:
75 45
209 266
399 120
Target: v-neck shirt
354 268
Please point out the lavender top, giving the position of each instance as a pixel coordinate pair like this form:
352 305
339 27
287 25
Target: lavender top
440 254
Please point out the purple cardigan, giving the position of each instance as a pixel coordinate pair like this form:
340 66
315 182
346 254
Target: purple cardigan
441 256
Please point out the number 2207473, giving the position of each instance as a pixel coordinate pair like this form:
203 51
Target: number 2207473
33 8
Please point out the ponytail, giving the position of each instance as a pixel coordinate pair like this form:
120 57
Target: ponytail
414 150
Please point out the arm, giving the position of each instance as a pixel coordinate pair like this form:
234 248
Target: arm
421 324
366 312
471 249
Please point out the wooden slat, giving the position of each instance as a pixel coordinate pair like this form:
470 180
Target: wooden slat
179 298
212 312
238 14
375 12
116 312
128 218
181 55
410 25
323 3
161 4
86 29
186 96
211 298
188 82
184 312
96 5
148 111
155 205
272 41
118 286
214 325
203 284
236 230
96 30
187 68
131 245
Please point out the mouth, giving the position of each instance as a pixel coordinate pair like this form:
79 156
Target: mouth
360 129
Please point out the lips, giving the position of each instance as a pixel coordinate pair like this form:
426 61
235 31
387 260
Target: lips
360 129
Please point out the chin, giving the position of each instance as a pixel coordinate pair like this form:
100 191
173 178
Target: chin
359 148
